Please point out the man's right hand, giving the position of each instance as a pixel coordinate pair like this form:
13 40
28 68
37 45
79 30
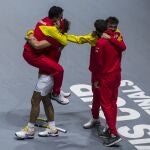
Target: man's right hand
28 34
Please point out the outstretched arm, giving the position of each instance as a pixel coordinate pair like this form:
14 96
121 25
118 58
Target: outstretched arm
53 32
81 39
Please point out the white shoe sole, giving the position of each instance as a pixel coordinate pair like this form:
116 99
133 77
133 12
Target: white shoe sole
115 142
48 135
62 103
90 126
23 138
66 95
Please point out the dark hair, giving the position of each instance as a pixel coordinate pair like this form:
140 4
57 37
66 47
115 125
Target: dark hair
112 20
100 26
55 11
66 25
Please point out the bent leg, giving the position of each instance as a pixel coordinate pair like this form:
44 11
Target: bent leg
48 66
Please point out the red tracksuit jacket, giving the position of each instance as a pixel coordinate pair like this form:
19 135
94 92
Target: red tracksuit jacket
106 56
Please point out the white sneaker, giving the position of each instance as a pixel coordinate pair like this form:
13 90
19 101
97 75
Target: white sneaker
49 131
60 99
25 133
65 94
91 123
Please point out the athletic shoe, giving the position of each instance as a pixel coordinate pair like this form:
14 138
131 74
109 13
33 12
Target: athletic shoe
91 123
25 133
112 140
65 94
103 132
60 99
49 131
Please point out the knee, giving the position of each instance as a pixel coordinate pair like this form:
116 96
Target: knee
106 107
61 70
34 102
36 98
46 101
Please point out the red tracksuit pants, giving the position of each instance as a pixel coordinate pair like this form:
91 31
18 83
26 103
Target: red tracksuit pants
47 66
105 96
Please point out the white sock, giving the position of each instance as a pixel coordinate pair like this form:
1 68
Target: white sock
51 123
30 125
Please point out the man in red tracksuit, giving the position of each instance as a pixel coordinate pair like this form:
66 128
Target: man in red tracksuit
40 57
105 66
49 56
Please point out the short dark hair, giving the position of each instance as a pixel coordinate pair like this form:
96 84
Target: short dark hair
100 25
55 11
112 20
66 25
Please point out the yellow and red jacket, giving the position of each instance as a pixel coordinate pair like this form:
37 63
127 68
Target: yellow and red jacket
52 31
